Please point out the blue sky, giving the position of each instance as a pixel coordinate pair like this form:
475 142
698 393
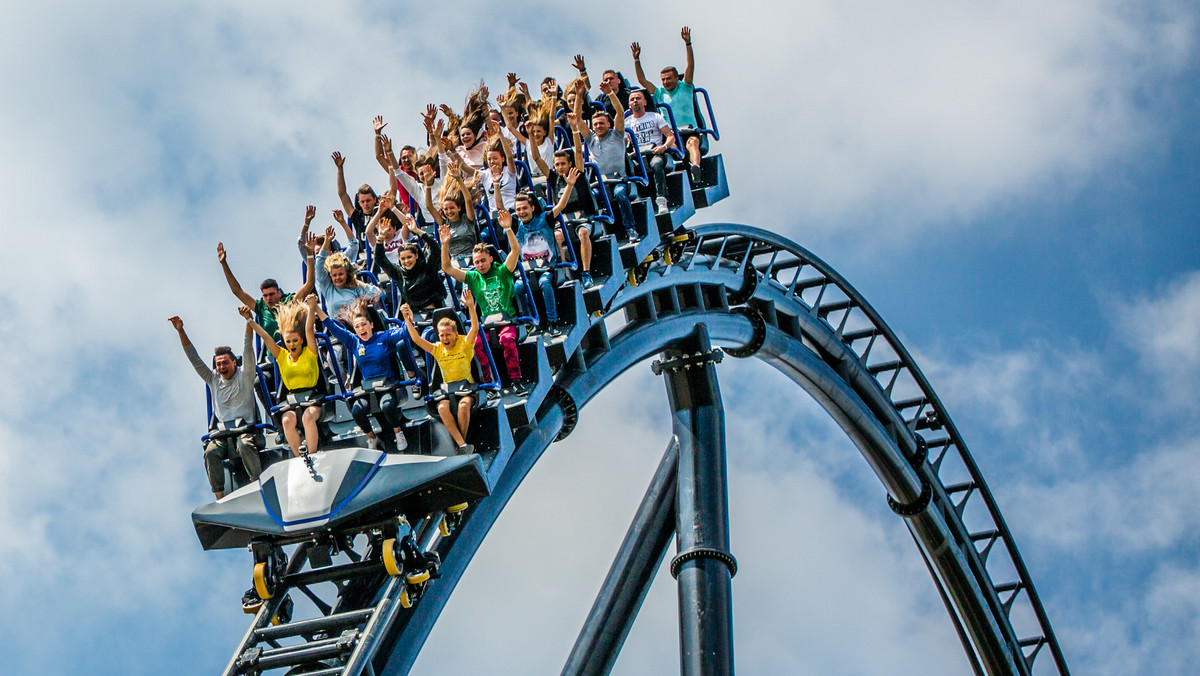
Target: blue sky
1012 187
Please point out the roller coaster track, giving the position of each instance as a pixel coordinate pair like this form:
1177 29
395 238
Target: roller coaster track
753 293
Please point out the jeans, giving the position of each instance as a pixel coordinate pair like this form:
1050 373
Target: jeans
619 192
545 280
389 416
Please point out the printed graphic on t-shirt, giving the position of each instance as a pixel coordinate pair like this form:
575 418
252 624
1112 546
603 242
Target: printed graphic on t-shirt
647 129
536 246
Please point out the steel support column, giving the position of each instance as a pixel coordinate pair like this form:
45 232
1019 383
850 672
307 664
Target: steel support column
630 576
703 566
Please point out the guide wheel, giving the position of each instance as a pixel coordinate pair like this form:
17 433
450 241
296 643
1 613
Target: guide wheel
389 558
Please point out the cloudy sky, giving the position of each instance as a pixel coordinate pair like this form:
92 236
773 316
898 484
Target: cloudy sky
1012 185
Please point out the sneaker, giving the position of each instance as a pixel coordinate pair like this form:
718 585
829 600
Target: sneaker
373 443
697 175
401 442
250 602
492 395
553 331
633 235
585 279
661 203
465 449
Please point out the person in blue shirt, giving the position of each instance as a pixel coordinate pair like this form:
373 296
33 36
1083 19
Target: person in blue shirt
541 244
678 93
374 352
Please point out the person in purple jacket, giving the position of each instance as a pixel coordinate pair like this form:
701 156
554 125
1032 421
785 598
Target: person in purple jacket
374 352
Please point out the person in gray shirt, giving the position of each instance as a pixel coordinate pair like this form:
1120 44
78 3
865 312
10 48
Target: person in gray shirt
606 143
232 389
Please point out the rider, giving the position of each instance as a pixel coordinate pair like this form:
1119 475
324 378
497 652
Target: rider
453 354
232 388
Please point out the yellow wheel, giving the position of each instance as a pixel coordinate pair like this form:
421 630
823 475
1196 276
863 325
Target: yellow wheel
405 599
632 277
455 509
389 557
418 578
444 528
260 581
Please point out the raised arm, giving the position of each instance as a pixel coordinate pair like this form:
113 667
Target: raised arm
618 109
339 162
571 177
234 286
514 247
341 220
310 322
267 339
637 67
578 141
686 34
311 244
406 312
380 152
582 68
468 299
310 212
447 266
468 203
437 216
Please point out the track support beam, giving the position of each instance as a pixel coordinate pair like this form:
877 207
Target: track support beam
704 568
630 576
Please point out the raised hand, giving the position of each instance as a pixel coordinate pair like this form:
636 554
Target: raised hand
338 159
220 252
573 175
505 219
406 312
339 217
444 234
579 66
329 233
446 110
387 202
387 143
468 298
637 51
176 322
524 86
512 79
686 34
311 300
312 243
310 212
246 313
604 88
378 123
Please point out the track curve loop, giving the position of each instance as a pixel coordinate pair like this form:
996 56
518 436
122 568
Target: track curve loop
762 295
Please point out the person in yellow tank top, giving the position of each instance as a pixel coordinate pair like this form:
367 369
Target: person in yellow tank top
299 367
453 353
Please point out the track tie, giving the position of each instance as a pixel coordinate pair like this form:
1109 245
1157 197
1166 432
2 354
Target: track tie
809 284
315 625
909 403
885 366
959 488
824 310
851 336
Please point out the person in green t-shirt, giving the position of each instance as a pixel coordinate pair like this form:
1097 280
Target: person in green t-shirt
265 308
492 286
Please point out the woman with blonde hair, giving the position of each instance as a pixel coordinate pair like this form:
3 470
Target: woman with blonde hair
299 367
337 277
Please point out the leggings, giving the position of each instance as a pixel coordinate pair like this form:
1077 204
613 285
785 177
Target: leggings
389 416
507 337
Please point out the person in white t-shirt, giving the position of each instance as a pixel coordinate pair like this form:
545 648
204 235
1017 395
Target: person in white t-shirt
654 138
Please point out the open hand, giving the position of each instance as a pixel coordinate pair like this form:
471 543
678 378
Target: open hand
220 252
338 159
